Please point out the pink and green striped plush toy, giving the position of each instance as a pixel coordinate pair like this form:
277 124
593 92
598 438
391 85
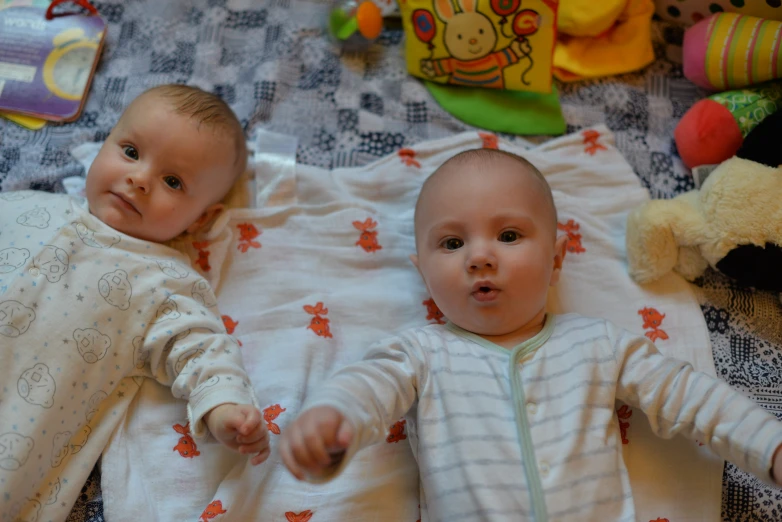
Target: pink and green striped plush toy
730 51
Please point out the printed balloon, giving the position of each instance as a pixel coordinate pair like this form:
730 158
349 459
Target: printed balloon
423 23
526 22
505 7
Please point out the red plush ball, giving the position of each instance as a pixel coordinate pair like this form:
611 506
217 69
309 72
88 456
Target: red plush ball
707 134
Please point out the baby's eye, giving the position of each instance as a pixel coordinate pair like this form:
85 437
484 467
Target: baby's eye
452 243
130 152
173 182
459 36
509 236
480 31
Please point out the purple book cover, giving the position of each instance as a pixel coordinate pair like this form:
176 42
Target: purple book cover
46 65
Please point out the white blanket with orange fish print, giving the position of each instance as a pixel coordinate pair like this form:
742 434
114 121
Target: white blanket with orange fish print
319 271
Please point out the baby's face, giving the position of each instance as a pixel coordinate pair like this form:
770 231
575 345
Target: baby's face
486 246
158 172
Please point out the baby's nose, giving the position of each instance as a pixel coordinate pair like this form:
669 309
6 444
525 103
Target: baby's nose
473 41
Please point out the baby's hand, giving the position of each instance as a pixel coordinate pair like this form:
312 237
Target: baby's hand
776 466
315 441
239 427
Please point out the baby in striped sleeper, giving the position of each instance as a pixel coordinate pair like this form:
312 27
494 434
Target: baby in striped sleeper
510 410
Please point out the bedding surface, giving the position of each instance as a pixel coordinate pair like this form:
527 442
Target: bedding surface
271 61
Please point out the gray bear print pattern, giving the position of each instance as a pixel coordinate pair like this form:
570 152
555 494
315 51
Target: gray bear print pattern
87 236
60 447
202 293
79 440
140 355
36 386
15 318
190 355
91 343
172 268
37 217
54 491
94 404
14 450
13 258
29 512
51 262
115 289
168 311
15 196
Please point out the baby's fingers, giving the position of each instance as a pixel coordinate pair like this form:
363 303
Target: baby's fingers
260 457
252 419
288 458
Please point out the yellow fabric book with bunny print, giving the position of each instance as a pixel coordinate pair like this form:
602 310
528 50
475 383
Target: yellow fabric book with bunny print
497 44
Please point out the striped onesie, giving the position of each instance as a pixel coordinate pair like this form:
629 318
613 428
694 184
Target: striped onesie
530 433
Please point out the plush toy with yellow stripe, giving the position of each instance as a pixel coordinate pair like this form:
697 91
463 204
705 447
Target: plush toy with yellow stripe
729 51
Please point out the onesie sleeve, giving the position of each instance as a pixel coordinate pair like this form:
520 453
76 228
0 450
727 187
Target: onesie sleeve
187 348
373 393
679 400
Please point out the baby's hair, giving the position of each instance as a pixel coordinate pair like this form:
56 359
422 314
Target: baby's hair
477 155
206 109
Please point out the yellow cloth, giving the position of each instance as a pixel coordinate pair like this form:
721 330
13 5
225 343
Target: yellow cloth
624 46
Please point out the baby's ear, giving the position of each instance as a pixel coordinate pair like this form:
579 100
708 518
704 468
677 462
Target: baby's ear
560 249
209 214
414 259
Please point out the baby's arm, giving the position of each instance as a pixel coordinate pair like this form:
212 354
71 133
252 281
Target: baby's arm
677 399
187 348
353 410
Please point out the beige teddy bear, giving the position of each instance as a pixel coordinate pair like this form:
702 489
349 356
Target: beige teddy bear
733 224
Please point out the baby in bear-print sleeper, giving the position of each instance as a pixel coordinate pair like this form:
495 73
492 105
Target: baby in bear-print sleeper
75 295
92 301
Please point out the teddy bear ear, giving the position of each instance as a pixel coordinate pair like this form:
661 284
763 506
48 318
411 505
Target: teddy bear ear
762 143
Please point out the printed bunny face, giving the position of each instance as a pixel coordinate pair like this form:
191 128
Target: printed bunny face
92 344
115 289
52 262
468 35
36 386
14 450
12 258
60 447
15 318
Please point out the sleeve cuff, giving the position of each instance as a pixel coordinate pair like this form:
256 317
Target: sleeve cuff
204 403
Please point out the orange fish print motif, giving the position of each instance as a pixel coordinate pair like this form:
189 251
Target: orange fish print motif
230 326
271 413
368 239
408 158
660 520
490 141
624 413
571 228
203 255
186 446
319 324
304 516
652 322
591 146
247 235
433 313
214 509
397 432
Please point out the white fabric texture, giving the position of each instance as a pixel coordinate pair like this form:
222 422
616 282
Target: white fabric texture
321 271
